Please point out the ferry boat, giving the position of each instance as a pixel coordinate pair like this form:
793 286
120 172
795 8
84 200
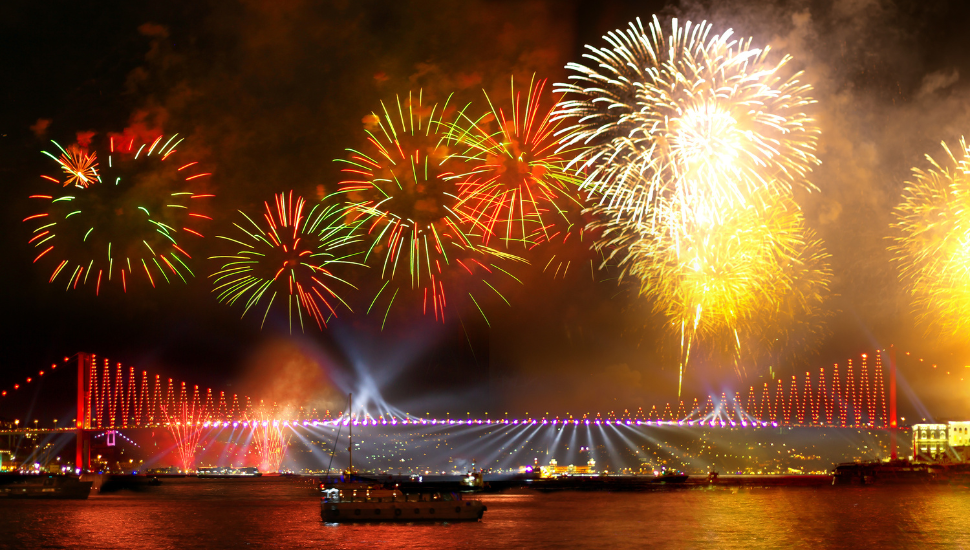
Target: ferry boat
224 472
46 487
359 504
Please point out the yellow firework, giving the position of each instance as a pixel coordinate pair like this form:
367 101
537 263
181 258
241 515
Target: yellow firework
748 274
685 117
794 322
933 244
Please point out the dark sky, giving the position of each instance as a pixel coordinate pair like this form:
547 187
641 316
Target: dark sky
269 93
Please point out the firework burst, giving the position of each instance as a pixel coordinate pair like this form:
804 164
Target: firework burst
513 185
399 188
933 245
687 118
124 221
292 253
79 165
754 271
796 321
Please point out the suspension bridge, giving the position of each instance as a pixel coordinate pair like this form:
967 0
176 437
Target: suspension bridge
112 397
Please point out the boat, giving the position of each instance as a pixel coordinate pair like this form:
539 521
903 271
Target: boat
347 504
473 481
894 472
671 476
47 487
225 472
354 499
611 482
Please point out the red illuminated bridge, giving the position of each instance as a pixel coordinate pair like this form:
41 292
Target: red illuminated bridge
111 397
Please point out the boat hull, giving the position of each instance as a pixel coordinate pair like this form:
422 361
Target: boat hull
346 512
888 473
45 488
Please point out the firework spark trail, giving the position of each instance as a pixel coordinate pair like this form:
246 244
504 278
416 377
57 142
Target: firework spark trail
79 165
686 117
752 274
399 189
933 244
119 222
268 438
512 183
185 421
292 253
796 321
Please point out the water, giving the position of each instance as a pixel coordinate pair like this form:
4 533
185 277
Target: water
283 513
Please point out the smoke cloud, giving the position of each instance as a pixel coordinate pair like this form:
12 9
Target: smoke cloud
269 93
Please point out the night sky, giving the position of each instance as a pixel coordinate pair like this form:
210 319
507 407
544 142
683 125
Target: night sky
269 93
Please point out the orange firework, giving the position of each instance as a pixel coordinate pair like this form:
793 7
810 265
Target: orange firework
513 184
400 187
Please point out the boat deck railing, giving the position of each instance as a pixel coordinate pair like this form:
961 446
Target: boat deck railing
384 495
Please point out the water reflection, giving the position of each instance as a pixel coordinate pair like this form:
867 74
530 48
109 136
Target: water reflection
281 513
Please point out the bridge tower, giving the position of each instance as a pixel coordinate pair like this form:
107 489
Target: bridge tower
892 403
85 364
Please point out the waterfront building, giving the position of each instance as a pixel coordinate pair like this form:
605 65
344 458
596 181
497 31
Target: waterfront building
948 442
554 469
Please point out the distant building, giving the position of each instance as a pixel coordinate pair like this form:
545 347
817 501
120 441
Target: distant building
554 469
948 442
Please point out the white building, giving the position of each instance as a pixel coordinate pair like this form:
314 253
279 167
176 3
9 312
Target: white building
941 441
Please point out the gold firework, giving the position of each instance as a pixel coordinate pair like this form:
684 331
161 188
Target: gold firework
752 274
933 245
685 118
